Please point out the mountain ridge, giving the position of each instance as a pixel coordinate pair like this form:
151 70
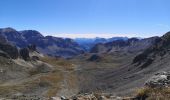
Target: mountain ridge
46 44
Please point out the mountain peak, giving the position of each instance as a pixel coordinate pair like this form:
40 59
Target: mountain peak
166 36
8 29
31 33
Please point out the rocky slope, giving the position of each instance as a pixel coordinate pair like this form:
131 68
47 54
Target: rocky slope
27 74
119 71
7 50
127 46
159 49
45 44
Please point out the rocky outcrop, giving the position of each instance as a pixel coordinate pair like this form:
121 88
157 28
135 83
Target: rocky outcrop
95 57
32 47
30 53
24 53
161 79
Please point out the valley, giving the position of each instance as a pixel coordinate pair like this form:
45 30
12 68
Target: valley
37 67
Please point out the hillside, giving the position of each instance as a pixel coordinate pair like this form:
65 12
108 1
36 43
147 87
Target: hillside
27 74
130 45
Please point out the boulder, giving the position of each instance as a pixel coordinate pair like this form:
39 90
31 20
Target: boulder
161 79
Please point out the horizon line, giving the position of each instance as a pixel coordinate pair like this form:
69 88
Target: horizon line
95 35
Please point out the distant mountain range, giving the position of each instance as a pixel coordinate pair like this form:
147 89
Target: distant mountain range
53 46
130 45
88 43
45 44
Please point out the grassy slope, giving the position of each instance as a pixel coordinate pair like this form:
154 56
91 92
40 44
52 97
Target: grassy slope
114 74
27 82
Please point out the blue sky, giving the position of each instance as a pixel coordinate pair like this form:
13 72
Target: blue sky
142 18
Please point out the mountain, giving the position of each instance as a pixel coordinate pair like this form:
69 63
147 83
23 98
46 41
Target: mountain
88 43
160 49
128 46
13 36
45 44
7 50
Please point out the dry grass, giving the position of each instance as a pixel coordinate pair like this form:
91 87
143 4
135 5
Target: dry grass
58 62
54 80
49 81
153 93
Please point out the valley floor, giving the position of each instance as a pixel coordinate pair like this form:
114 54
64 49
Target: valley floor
56 77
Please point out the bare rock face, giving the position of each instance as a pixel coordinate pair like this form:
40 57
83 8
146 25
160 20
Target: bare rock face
2 39
32 47
7 50
130 45
24 53
94 57
161 79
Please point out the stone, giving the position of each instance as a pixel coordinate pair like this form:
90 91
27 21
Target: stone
161 79
24 53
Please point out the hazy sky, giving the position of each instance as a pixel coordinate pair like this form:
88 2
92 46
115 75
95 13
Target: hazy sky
73 18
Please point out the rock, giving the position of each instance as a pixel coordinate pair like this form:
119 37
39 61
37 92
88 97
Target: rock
35 58
55 98
63 98
32 47
161 79
10 50
7 50
2 39
3 54
24 53
94 58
